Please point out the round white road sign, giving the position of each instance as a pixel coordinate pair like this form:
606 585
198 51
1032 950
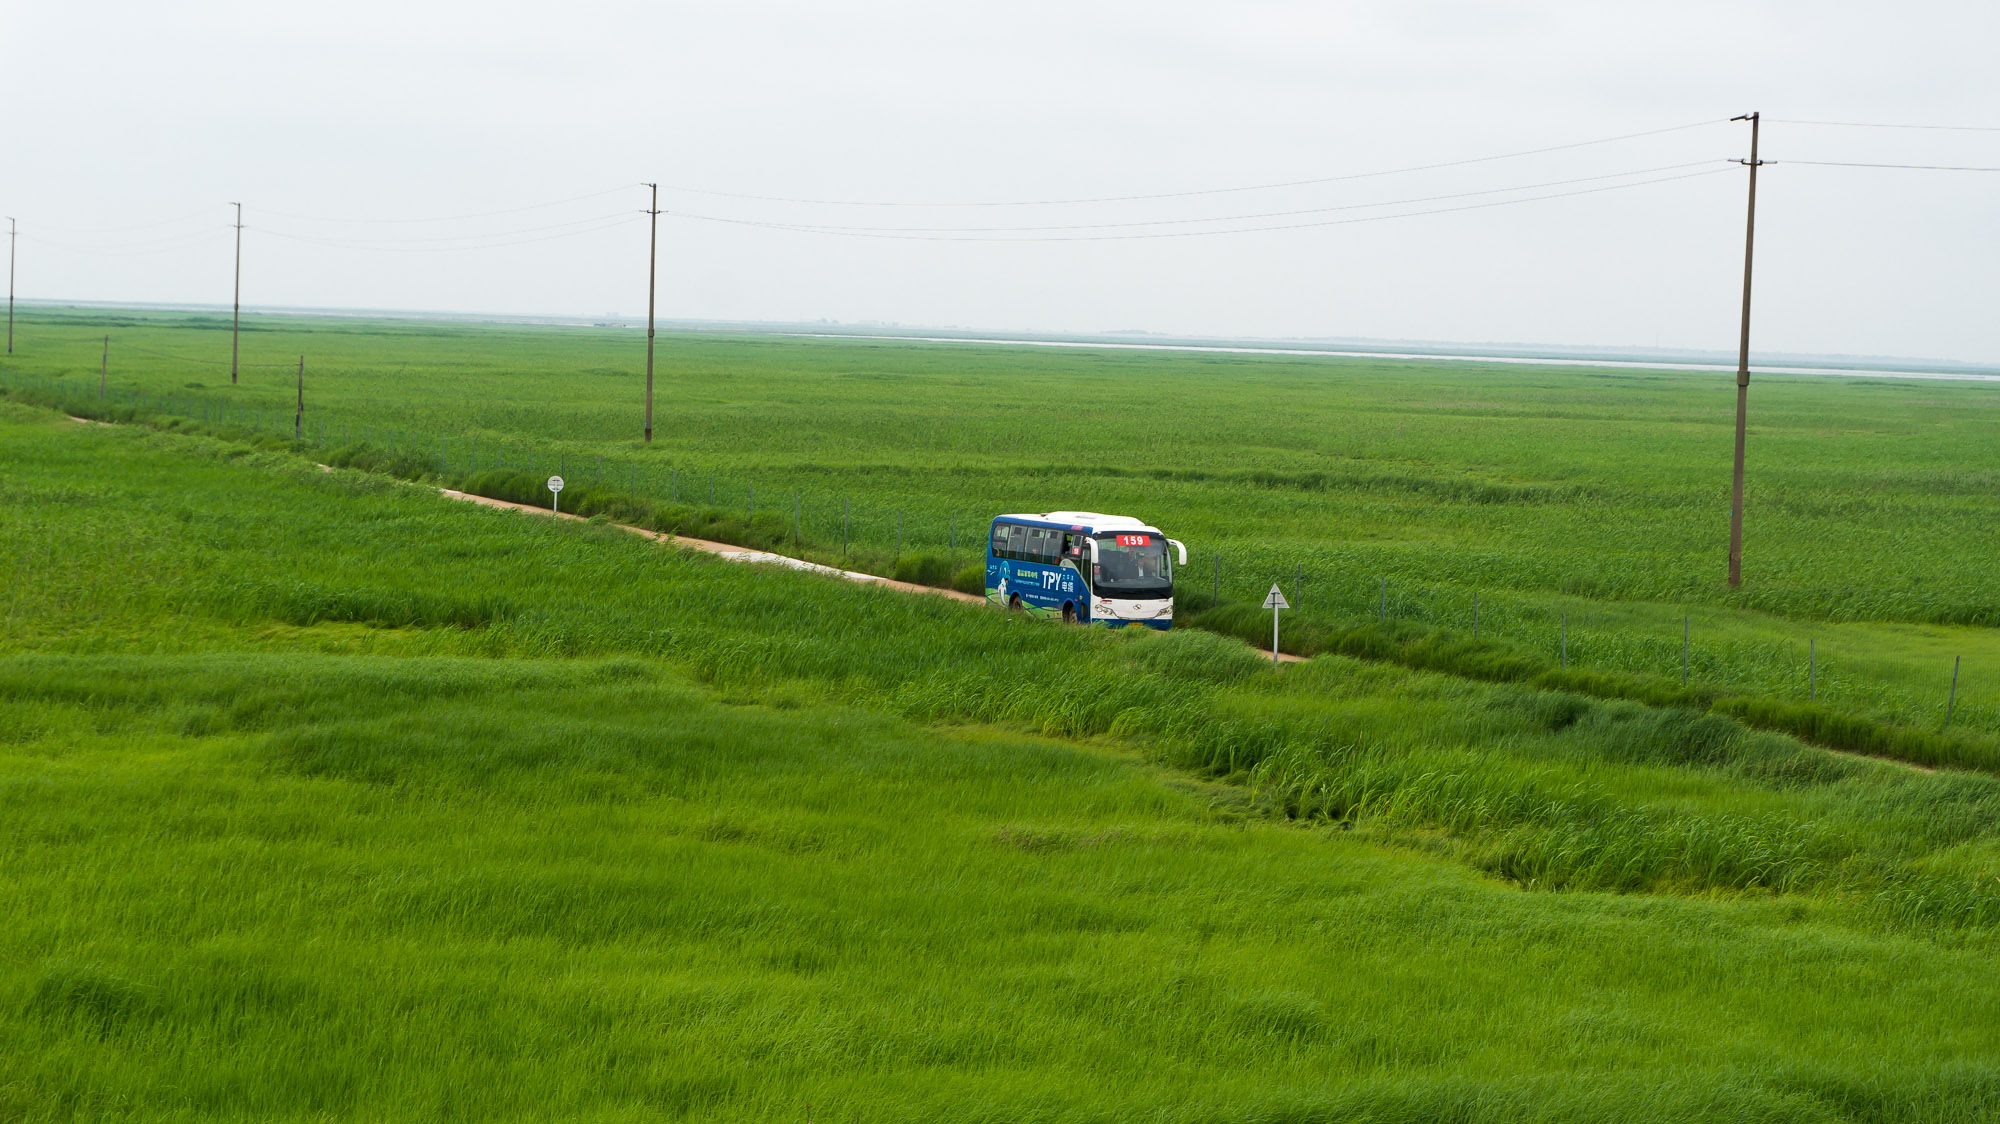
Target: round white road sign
555 483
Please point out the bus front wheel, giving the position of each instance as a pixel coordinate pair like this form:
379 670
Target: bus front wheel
1069 612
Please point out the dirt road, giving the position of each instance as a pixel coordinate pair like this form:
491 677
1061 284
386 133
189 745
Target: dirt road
724 550
733 553
740 554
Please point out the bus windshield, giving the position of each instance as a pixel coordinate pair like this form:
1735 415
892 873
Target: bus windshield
1132 566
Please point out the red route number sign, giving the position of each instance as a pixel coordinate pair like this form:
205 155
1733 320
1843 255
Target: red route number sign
1133 540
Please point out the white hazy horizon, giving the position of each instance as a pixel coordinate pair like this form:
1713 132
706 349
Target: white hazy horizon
484 160
1613 355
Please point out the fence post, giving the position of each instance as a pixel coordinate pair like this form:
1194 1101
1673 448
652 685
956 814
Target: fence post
1812 669
442 443
1565 640
674 485
753 503
899 532
844 509
1684 649
1215 592
954 532
1385 600
1475 615
600 468
795 521
1298 584
1951 700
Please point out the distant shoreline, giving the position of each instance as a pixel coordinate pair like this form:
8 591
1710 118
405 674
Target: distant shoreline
1561 355
1445 356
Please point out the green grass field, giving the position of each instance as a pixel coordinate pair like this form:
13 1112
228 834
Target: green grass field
1587 503
324 797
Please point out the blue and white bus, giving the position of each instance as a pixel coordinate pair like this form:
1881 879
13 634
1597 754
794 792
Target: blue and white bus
1084 567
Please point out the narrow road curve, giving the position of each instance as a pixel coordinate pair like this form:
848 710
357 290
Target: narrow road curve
724 550
739 554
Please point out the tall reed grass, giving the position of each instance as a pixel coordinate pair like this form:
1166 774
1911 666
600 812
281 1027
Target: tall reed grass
608 830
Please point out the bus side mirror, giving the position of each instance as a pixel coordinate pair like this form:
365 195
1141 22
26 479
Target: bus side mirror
1181 547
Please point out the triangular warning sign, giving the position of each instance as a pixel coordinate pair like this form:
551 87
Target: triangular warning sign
1276 599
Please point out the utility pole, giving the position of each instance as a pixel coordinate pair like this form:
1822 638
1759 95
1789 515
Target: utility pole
299 419
236 313
12 233
1743 367
652 275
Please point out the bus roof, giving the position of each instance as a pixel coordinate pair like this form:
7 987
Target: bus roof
1088 520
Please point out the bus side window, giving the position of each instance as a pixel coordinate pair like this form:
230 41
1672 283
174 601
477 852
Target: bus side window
1017 542
999 540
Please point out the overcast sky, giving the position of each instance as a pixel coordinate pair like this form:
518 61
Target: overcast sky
130 127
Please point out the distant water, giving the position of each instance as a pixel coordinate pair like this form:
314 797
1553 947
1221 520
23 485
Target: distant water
1450 357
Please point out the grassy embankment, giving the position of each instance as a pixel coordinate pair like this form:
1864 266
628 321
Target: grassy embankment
1592 498
323 796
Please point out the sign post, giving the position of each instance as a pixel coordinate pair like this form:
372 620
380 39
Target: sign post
1274 601
555 494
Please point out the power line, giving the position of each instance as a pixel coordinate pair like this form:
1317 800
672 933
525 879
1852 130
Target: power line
1880 125
1911 167
459 237
176 242
351 244
652 276
837 232
1202 191
459 218
181 241
1263 214
236 301
1743 362
186 218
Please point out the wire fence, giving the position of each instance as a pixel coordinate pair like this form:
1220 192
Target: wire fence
1694 646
